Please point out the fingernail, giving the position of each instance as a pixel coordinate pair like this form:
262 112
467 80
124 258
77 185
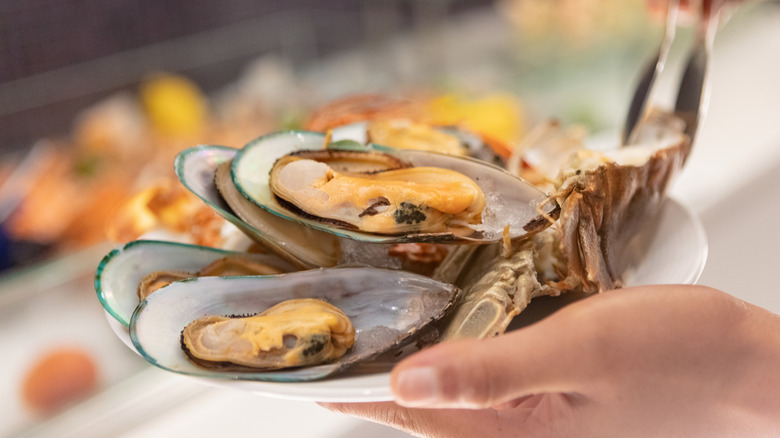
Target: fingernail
418 386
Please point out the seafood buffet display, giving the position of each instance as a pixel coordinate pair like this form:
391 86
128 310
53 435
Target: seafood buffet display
565 232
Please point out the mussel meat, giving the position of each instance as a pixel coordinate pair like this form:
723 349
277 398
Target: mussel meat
293 333
232 265
408 134
509 202
124 269
399 200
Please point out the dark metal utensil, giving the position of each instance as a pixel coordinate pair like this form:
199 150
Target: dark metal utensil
654 68
693 93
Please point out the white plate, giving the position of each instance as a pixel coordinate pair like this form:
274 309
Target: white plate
672 250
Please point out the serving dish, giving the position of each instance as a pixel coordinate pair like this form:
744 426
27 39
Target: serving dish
672 249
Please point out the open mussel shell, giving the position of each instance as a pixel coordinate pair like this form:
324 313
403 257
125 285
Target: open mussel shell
510 200
204 170
121 270
385 307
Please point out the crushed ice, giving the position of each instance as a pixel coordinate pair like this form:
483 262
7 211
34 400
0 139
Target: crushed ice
379 337
360 253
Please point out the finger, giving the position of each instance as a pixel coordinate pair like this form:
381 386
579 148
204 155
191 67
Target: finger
434 423
582 349
550 356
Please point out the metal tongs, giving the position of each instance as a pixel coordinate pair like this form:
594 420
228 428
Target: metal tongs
693 91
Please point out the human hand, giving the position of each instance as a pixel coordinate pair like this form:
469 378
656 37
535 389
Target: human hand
646 361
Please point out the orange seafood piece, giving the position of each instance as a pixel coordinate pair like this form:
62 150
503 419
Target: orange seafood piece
359 108
60 377
497 118
166 205
419 257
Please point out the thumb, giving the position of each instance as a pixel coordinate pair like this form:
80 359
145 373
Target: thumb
489 372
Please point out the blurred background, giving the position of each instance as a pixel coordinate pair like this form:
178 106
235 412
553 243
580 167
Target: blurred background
96 99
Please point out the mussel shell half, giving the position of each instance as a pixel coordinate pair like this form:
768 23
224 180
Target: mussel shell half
121 270
385 308
197 168
511 200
